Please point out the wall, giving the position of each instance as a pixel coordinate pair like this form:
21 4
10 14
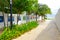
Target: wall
57 19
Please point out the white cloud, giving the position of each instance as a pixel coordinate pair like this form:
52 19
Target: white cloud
53 4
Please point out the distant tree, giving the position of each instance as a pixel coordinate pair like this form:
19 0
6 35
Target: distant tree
43 10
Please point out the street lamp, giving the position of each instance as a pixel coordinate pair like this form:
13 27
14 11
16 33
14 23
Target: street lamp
11 13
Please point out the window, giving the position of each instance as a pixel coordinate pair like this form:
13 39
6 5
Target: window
1 19
9 19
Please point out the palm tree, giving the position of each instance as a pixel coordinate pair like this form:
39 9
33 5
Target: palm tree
43 10
3 5
2 9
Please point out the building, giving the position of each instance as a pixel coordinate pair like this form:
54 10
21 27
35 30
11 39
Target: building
22 18
57 19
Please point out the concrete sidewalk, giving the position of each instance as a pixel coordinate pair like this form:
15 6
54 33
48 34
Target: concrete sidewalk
45 31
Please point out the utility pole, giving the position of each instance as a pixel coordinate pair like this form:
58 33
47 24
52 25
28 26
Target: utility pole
11 23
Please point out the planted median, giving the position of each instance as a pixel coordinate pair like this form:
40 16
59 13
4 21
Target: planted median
17 30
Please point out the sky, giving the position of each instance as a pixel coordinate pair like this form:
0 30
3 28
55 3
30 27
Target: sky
53 4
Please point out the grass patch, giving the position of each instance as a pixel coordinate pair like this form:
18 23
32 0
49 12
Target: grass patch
17 30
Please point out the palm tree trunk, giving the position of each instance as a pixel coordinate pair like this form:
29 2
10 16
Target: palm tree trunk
26 17
36 16
7 20
17 19
3 18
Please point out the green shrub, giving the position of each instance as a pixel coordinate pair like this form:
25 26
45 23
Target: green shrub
17 30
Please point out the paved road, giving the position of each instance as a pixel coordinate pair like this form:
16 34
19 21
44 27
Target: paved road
51 32
45 31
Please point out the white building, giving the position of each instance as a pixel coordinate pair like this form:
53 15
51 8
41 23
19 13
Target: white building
6 18
21 19
57 19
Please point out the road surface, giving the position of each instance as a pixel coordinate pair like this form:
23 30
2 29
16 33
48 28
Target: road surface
45 31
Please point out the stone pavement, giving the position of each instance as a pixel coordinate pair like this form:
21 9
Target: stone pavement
45 31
